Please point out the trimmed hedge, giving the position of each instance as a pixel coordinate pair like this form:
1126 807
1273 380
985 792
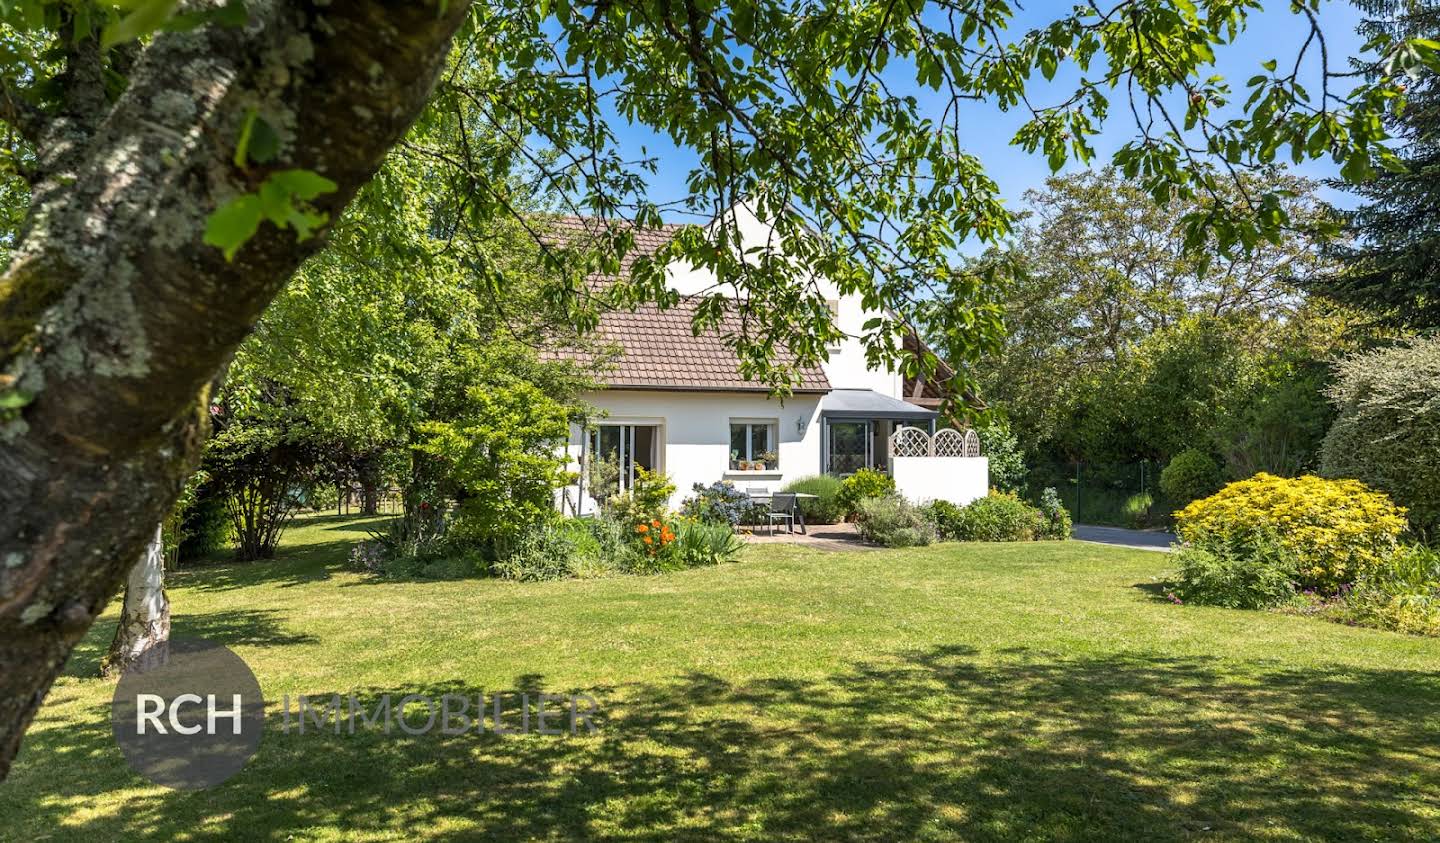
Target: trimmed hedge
1192 474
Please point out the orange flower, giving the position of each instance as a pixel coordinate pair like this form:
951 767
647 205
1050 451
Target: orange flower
642 528
646 540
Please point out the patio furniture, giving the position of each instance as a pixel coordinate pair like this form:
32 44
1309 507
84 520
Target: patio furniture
758 495
782 508
761 496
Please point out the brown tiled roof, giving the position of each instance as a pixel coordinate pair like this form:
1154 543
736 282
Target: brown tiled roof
663 352
576 231
660 348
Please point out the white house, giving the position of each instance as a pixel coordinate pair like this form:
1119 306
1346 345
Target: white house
677 403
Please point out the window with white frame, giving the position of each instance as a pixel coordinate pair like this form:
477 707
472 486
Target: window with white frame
754 445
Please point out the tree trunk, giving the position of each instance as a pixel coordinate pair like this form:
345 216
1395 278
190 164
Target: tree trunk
142 640
115 315
367 469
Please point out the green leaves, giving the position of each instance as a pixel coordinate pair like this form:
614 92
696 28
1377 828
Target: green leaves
282 199
258 141
142 18
232 224
14 399
280 193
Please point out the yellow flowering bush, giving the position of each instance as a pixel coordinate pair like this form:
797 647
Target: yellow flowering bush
1336 529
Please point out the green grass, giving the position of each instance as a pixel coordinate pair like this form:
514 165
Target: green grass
1005 692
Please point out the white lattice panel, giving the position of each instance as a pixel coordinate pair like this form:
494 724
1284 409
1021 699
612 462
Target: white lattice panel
909 442
949 443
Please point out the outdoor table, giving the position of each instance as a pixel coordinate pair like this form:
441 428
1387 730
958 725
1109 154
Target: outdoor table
799 516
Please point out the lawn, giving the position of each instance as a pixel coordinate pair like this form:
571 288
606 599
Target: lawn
959 691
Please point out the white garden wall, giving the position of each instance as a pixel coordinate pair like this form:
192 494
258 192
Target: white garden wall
958 480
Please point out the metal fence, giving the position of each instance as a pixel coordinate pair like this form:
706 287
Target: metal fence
1115 494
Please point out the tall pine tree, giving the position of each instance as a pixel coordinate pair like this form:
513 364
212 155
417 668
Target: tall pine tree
1391 264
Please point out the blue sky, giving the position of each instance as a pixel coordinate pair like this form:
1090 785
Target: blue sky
1273 33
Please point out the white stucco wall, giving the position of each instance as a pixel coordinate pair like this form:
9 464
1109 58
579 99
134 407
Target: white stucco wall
846 368
958 480
695 433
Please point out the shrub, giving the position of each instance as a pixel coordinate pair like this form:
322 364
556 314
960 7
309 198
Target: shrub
498 454
893 522
1387 434
1335 529
825 507
421 533
865 483
1136 510
367 557
718 503
617 543
1054 518
699 543
948 520
550 550
655 540
1007 460
395 553
205 525
1255 572
998 517
456 567
647 499
321 495
1401 595
1192 474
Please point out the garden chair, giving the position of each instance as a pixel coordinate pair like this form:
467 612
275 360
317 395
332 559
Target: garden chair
758 497
782 508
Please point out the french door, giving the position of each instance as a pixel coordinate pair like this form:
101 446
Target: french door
628 447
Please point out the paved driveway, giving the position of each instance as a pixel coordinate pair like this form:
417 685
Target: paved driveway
1120 537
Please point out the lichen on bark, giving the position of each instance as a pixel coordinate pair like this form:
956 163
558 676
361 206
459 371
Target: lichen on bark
116 312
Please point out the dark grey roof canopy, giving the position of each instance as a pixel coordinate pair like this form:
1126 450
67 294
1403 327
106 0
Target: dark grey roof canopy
869 404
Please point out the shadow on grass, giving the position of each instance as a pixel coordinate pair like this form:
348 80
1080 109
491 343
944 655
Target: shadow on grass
294 566
295 563
933 745
359 524
248 627
1157 591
